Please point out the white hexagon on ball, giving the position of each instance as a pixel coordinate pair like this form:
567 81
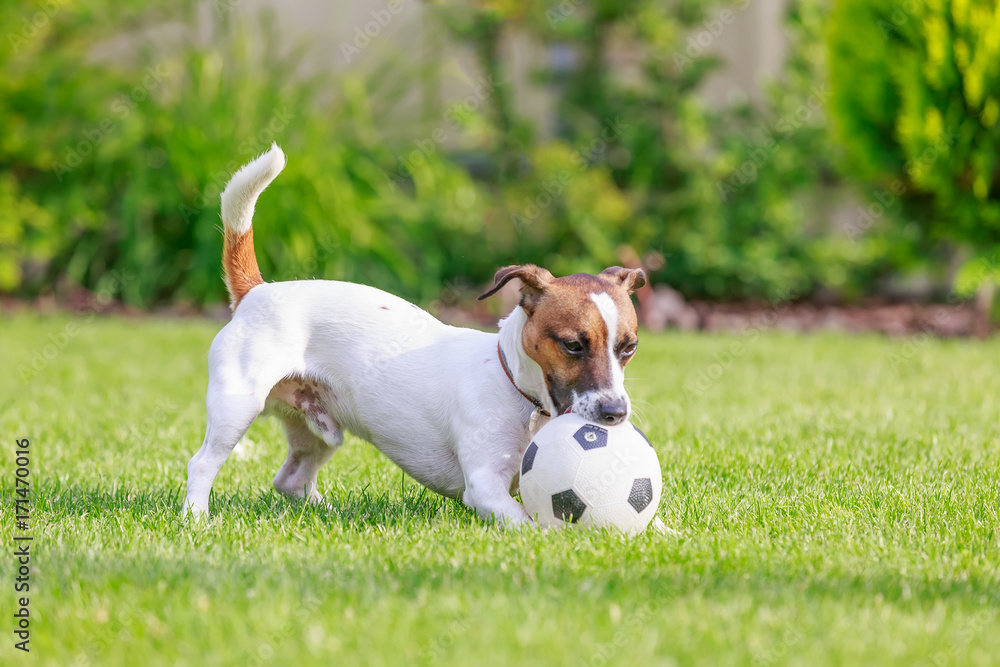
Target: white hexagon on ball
577 473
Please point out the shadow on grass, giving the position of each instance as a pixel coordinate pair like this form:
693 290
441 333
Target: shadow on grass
664 569
366 580
408 505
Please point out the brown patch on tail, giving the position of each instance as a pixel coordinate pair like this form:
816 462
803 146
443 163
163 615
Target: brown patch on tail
239 264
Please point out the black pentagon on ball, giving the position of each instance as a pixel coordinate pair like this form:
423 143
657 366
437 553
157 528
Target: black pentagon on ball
591 437
568 506
641 494
642 434
529 458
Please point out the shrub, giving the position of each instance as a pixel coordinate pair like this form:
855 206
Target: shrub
112 171
727 196
915 100
112 165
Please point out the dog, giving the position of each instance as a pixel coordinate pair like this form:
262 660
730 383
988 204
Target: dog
453 407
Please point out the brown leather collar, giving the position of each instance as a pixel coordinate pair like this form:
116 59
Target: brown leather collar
534 401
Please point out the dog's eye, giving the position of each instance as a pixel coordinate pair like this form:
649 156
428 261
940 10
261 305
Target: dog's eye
629 350
574 347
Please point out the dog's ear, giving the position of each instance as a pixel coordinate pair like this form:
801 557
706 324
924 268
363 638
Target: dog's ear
630 279
534 281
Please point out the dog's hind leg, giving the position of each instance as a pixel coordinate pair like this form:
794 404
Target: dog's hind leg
307 453
229 417
236 396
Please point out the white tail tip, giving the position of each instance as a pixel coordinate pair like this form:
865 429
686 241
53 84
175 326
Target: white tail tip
240 195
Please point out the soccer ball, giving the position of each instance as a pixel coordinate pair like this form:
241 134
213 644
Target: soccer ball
577 473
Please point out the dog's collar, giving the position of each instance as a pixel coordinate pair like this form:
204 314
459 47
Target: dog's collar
534 401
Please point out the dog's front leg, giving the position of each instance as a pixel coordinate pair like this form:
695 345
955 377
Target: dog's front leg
488 492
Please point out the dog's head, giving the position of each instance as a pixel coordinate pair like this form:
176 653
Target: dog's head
581 332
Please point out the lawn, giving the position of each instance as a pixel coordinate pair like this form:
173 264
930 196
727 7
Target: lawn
837 499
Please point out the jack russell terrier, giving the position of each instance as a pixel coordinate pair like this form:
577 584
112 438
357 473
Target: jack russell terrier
453 407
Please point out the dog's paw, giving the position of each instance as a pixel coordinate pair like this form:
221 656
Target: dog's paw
509 521
522 524
660 528
320 501
194 515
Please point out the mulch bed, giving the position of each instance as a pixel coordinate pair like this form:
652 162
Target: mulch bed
892 319
665 311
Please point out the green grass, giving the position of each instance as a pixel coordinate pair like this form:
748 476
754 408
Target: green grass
837 497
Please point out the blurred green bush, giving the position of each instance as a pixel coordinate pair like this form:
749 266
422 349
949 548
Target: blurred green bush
111 164
729 197
112 171
916 100
724 203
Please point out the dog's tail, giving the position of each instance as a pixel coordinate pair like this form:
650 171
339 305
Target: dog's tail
239 263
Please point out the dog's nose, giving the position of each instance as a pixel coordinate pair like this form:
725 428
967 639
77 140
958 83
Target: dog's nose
613 412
